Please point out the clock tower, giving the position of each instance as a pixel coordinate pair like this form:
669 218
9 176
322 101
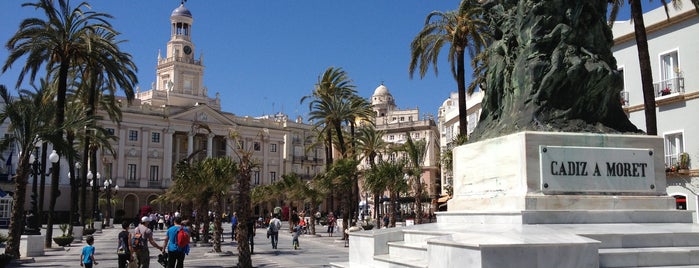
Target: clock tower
179 76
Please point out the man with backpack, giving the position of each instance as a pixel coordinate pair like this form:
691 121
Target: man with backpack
139 242
177 243
274 225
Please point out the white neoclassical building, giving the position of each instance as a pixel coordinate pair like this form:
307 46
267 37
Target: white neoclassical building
673 48
448 124
176 119
397 124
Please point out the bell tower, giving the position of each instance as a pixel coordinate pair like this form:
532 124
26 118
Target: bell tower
179 75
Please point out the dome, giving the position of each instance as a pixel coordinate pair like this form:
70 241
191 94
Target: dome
181 11
381 90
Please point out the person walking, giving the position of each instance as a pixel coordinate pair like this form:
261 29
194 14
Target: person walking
175 253
123 246
234 225
295 239
141 236
87 256
250 225
274 226
331 223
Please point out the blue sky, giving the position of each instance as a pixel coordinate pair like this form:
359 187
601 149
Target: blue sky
263 56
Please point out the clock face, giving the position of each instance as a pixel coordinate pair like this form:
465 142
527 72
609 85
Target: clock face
187 50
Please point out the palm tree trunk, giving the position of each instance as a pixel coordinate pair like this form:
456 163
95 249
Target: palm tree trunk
392 213
217 222
644 65
244 211
57 137
84 183
16 227
418 200
377 203
461 85
346 218
42 185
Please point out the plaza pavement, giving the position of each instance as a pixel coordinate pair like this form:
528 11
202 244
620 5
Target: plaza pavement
315 251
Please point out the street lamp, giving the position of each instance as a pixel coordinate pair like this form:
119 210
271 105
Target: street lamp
94 182
32 224
108 185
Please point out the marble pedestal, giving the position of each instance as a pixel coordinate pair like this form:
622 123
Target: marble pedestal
98 226
31 245
509 211
78 233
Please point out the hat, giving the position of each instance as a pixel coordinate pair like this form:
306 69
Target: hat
145 219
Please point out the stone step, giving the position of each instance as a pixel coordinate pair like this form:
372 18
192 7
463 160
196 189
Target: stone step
645 240
386 261
421 236
648 257
404 249
568 216
606 216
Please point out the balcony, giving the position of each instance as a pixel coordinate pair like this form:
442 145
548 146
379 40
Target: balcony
672 86
132 184
624 97
154 184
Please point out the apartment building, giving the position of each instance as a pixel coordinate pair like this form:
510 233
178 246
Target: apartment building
672 44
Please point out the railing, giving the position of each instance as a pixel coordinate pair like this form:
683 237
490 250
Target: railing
132 184
154 184
669 86
180 59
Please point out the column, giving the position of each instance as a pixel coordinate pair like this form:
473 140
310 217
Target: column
144 157
190 143
210 145
121 157
229 146
167 154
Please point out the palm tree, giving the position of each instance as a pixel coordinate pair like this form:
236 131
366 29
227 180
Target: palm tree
334 101
415 156
28 117
370 145
218 174
391 172
462 29
342 175
644 56
60 42
333 87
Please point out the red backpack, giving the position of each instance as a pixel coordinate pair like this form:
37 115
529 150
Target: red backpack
182 238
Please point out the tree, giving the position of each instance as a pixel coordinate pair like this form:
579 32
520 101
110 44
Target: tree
60 42
101 73
334 102
342 175
28 115
643 55
462 29
218 174
371 145
415 157
391 174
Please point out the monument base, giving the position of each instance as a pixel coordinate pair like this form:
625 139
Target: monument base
31 245
78 233
512 208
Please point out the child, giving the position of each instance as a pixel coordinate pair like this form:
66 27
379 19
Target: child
297 231
87 257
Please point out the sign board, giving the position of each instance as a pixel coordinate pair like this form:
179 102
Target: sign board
567 169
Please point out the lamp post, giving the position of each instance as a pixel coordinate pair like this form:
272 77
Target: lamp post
32 221
94 182
108 185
